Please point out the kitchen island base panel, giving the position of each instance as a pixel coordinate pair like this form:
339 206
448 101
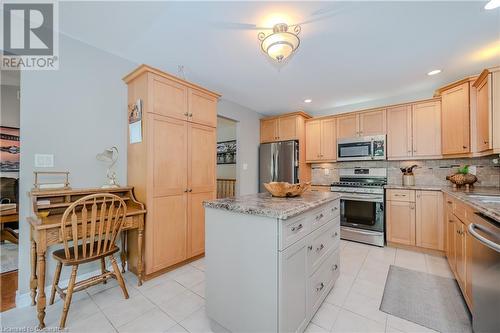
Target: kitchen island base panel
256 282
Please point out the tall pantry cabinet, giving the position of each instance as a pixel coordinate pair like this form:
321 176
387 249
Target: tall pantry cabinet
173 167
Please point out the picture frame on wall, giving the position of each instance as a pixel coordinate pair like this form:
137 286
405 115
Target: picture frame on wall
10 149
226 152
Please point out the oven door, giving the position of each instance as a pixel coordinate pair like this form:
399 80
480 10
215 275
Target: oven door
354 151
363 211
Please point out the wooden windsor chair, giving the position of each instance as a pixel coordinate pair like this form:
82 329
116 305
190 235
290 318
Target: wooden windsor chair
92 224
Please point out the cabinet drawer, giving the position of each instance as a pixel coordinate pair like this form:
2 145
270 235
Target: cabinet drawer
325 214
294 229
322 243
401 195
322 281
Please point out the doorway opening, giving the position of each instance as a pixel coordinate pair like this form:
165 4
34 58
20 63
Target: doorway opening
9 187
227 157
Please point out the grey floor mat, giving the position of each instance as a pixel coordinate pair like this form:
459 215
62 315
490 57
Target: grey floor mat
425 299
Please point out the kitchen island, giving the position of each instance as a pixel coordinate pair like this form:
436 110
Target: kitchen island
270 262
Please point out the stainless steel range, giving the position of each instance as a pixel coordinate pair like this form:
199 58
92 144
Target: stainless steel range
362 204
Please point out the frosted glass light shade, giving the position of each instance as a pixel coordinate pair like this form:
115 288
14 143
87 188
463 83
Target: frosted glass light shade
280 44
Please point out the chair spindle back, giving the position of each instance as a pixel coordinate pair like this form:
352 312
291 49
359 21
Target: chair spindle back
96 220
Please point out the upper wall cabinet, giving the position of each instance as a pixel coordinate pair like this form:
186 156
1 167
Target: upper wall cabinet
455 105
482 121
283 128
321 140
362 124
414 130
202 108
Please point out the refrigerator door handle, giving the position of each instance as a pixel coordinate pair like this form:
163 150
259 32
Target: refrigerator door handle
276 164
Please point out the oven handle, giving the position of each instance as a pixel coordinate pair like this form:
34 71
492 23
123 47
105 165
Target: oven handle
367 198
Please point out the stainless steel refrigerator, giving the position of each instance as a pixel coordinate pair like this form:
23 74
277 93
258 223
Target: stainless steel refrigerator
279 162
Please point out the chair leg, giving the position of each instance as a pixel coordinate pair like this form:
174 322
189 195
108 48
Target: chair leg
103 268
119 276
55 282
69 294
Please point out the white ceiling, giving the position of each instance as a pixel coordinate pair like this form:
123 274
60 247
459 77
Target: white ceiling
364 53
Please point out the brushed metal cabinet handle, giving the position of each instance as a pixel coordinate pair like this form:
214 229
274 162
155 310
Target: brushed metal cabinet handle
321 247
320 286
297 228
335 267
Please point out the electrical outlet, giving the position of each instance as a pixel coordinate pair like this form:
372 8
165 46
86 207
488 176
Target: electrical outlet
44 160
473 169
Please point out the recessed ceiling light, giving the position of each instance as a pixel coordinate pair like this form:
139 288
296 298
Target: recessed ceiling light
308 100
434 72
492 4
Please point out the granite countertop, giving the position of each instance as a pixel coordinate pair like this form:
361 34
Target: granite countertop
263 204
489 209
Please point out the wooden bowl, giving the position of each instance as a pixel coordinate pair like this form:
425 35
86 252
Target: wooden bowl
284 189
42 214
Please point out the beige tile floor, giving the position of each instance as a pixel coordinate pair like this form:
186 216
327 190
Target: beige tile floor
174 302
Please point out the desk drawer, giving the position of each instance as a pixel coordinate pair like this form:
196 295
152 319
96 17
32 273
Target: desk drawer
322 243
401 195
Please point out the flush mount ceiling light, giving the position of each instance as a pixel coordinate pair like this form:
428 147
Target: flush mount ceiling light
281 44
492 4
308 100
434 72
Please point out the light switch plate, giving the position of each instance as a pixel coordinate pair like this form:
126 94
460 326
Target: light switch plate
327 172
44 161
245 166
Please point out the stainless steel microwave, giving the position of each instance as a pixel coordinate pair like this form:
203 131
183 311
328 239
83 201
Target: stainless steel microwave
361 148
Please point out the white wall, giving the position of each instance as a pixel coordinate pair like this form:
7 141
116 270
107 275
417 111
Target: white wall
226 131
248 138
73 113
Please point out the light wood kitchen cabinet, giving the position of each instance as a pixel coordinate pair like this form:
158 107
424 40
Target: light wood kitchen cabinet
365 123
426 129
483 116
460 252
429 220
414 130
372 123
269 130
178 135
401 222
455 130
451 231
415 218
321 140
202 108
283 128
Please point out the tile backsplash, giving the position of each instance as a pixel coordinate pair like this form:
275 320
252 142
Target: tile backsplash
427 172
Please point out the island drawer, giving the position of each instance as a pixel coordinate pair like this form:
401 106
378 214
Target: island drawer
322 243
325 213
322 281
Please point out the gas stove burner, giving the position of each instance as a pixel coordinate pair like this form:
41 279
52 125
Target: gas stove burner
358 184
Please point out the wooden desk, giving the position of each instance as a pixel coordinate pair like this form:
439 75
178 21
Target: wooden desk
7 234
45 232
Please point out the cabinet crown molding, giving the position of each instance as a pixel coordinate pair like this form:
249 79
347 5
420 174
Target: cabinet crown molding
148 69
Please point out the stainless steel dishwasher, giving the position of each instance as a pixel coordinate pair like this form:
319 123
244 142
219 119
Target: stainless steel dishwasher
485 233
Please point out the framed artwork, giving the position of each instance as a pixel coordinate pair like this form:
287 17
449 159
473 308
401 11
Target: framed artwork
9 149
226 152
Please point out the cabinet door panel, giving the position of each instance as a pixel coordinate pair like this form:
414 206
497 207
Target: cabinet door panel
451 232
169 155
169 98
313 140
196 222
329 139
460 253
372 123
269 130
347 126
169 230
429 220
202 108
287 128
483 116
426 129
293 289
202 158
455 120
399 132
401 222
